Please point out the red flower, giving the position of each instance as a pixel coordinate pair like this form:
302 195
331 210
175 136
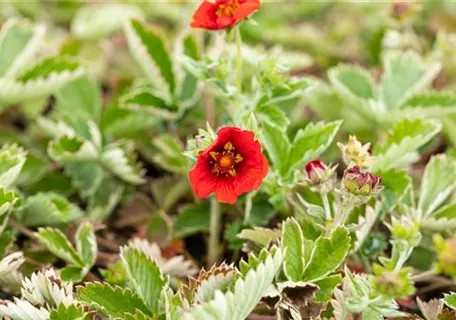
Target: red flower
223 13
232 165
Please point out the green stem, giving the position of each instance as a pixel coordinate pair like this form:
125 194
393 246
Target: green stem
326 206
248 207
238 61
214 233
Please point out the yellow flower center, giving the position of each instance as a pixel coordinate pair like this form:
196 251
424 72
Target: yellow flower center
227 9
224 162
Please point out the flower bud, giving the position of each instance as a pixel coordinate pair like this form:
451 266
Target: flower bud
356 153
403 9
406 230
361 183
393 284
446 255
316 171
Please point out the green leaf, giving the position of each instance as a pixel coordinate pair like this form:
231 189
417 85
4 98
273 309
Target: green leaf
190 89
402 142
19 41
6 240
192 218
355 81
86 177
311 142
217 278
70 312
396 183
86 244
137 316
58 244
118 158
173 305
169 190
111 301
12 159
80 99
12 91
405 75
170 155
273 116
431 99
245 295
327 285
103 202
278 146
120 122
48 66
356 88
72 149
49 209
327 255
150 52
293 247
144 276
439 181
73 273
261 236
448 211
8 200
144 99
101 19
450 300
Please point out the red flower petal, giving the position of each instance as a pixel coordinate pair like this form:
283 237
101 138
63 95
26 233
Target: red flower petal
250 178
225 22
246 8
201 179
225 193
204 16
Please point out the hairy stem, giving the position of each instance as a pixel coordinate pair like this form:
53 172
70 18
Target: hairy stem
326 206
21 228
238 61
214 233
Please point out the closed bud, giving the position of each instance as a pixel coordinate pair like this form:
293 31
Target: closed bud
361 183
316 171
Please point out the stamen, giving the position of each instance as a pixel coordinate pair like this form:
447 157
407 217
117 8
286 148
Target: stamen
225 162
229 146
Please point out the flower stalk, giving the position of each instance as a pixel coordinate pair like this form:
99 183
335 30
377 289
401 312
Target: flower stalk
327 207
238 40
214 233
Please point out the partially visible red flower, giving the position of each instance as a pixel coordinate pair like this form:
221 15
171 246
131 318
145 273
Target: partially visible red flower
232 165
223 13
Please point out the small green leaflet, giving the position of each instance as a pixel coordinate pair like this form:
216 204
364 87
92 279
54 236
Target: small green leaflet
293 247
439 181
327 255
450 300
112 301
144 275
402 143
